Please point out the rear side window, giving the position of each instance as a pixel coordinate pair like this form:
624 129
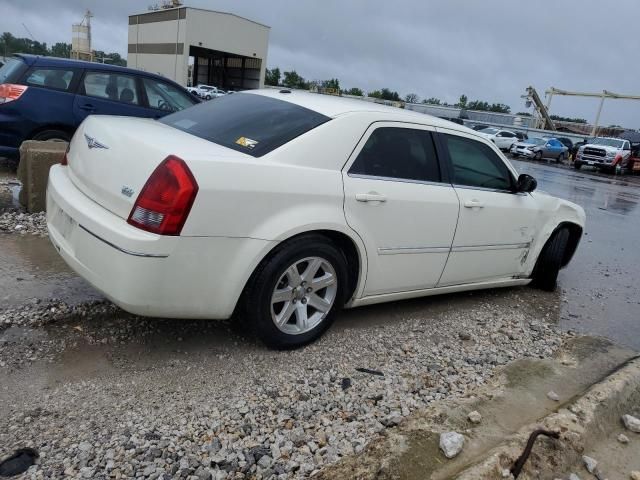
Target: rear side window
54 78
10 72
166 97
476 164
111 86
246 122
402 153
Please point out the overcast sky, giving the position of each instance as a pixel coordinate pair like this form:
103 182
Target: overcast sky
488 49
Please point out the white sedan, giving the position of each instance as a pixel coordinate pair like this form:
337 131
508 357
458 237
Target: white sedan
282 207
504 139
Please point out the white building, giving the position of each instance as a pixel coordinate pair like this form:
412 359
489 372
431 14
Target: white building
225 50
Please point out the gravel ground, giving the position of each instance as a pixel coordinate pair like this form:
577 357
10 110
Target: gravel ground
177 399
24 223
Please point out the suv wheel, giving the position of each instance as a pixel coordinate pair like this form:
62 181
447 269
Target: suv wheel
295 293
52 136
577 165
538 156
545 273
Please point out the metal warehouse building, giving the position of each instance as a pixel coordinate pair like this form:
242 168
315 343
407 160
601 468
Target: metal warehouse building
196 46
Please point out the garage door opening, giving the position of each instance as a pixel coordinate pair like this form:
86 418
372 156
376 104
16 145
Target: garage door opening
224 70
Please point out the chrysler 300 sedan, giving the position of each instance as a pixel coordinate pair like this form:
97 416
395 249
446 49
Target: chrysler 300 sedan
279 208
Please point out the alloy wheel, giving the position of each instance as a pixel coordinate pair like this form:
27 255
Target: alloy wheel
304 295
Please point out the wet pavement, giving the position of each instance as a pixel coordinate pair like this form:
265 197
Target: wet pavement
601 286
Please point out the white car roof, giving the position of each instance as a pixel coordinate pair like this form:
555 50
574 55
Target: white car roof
334 106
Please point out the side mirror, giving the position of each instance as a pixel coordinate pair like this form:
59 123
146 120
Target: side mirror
526 183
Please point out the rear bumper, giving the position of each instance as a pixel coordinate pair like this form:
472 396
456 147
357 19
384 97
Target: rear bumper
144 273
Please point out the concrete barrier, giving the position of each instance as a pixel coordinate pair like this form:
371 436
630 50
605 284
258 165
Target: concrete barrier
36 158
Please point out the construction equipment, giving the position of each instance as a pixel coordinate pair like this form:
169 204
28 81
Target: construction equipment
605 94
542 110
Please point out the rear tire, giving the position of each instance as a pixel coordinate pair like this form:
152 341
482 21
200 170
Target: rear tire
262 312
545 273
538 156
560 158
52 136
577 165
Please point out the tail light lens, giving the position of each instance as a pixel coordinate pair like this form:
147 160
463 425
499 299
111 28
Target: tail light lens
166 199
10 92
65 160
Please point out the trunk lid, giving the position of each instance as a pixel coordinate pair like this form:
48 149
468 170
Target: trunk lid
111 158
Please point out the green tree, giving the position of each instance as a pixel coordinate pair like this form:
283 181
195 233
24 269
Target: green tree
524 114
272 77
375 94
411 98
387 94
293 80
332 83
62 50
432 101
462 102
354 91
568 119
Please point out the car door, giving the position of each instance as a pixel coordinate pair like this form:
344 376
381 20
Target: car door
399 202
496 225
109 93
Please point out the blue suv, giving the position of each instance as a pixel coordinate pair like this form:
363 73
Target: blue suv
46 98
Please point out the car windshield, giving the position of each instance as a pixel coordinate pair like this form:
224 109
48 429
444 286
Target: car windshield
609 142
249 123
490 131
10 69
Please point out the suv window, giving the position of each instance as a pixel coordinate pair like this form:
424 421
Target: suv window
476 164
54 78
402 153
249 123
111 86
165 97
11 71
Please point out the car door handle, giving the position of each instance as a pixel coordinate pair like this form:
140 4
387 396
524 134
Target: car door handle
88 107
370 197
473 203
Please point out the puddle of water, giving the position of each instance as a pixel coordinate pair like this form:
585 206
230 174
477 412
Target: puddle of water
31 268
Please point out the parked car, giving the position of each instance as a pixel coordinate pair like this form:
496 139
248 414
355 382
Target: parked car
46 98
283 206
604 154
576 147
208 92
457 120
504 139
539 148
567 142
479 127
521 136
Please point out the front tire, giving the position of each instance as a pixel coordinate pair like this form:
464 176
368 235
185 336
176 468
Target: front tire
538 156
295 293
577 165
545 273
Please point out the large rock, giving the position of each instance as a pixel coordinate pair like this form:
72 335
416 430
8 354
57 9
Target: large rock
632 423
36 158
451 443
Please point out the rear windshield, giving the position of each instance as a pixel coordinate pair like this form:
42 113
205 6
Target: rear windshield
246 122
11 70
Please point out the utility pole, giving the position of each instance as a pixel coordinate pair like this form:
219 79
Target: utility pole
595 125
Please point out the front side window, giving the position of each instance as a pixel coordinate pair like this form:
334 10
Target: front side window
165 97
54 78
402 153
476 164
249 123
111 86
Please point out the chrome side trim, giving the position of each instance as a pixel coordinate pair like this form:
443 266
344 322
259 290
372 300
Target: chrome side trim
484 189
123 250
409 250
506 246
399 180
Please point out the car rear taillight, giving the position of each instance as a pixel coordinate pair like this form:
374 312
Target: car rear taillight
65 160
10 92
166 199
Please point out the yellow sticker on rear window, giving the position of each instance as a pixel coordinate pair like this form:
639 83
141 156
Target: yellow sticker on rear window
246 142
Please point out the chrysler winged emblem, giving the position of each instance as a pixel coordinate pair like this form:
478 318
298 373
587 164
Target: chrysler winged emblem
92 143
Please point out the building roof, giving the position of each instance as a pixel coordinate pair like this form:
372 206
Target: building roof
202 10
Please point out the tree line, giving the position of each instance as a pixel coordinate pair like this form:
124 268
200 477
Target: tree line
292 79
10 45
